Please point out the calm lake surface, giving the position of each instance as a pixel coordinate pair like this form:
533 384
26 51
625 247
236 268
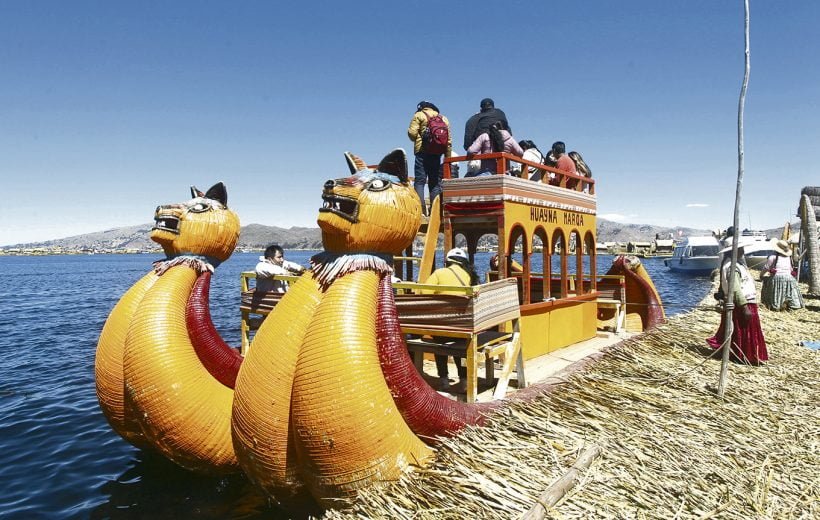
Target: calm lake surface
58 456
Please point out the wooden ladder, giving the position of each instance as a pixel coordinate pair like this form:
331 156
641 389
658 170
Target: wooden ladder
429 234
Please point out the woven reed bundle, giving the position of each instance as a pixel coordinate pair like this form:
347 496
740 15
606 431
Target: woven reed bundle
339 390
108 369
261 407
671 449
183 411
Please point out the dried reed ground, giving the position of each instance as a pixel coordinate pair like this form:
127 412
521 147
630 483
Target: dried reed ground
671 449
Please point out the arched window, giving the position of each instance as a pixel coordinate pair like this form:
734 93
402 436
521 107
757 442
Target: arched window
518 251
592 256
540 240
575 267
559 261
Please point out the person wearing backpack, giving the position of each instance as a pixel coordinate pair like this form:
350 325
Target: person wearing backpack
430 132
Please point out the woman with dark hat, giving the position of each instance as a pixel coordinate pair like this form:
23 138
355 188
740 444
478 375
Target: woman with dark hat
780 290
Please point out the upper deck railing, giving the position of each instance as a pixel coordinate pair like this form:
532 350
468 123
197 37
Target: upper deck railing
549 175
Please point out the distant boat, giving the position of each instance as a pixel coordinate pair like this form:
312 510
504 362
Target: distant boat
695 255
757 247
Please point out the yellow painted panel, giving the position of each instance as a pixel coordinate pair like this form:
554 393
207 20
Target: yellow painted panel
546 330
531 217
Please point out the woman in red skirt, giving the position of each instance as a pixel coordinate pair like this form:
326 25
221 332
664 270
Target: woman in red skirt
748 344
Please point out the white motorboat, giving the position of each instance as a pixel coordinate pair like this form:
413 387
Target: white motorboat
756 247
695 255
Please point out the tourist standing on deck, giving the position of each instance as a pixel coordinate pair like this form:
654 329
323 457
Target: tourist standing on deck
780 290
272 264
426 130
483 120
747 343
457 271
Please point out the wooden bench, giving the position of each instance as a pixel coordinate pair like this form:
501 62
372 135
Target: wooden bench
612 295
487 346
479 325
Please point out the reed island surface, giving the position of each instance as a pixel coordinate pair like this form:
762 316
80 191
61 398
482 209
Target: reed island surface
667 446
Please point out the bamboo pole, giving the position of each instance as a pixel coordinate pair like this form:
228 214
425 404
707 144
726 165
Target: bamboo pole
729 309
559 488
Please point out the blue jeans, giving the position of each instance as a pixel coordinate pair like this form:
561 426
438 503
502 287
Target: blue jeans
427 170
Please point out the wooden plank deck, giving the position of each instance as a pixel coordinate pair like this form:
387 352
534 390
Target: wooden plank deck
537 370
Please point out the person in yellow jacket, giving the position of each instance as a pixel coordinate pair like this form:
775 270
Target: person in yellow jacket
427 166
456 271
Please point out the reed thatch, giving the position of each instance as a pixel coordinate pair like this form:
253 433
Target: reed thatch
808 233
669 447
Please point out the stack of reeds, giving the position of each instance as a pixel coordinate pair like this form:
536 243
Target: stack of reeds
669 447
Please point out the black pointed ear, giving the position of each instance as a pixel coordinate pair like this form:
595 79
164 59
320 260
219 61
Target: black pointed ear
355 163
395 163
196 193
218 192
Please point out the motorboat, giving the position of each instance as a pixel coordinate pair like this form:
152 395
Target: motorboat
756 247
695 255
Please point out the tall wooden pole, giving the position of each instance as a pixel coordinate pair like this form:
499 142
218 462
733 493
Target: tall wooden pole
729 297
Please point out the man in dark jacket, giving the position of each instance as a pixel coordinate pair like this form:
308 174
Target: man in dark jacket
481 122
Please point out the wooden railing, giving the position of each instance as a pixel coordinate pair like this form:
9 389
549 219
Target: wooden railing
559 178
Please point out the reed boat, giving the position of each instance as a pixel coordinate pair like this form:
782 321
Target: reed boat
520 326
330 390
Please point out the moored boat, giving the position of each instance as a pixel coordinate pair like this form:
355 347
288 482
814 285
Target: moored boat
328 399
697 255
756 247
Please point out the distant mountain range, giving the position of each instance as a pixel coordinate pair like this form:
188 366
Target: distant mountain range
136 238
258 236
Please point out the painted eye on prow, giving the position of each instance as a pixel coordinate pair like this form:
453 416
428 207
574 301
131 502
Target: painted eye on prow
199 207
378 185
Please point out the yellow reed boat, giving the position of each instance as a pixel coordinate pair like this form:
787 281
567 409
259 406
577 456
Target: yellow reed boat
329 394
516 325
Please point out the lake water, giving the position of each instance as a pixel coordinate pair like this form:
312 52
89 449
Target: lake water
58 456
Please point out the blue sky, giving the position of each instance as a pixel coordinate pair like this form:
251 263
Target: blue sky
108 109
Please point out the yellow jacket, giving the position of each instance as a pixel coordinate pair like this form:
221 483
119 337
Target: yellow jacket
453 274
419 123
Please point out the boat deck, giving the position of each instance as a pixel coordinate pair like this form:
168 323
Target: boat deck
538 370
